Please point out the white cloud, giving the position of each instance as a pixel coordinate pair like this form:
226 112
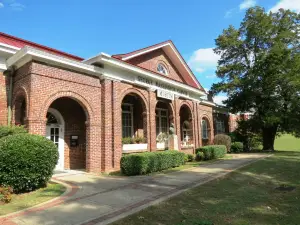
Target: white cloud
203 59
219 99
293 5
247 4
1 5
17 6
229 13
211 76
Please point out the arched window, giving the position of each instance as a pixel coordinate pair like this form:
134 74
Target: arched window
204 129
162 69
51 119
186 131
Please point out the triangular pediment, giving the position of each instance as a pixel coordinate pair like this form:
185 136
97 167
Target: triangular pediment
167 55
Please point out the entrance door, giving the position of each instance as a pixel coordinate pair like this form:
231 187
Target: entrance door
55 133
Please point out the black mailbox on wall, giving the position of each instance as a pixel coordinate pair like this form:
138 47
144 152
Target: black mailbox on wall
74 140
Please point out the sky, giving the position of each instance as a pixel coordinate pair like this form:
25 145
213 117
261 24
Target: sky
86 28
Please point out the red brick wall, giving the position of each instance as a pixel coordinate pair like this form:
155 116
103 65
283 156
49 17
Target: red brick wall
3 100
151 60
100 126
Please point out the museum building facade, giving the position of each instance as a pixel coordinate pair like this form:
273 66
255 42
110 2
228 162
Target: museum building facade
99 108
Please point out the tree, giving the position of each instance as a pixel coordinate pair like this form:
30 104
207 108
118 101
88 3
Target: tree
259 68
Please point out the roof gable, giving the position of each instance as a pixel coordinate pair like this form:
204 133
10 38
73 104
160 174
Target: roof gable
173 54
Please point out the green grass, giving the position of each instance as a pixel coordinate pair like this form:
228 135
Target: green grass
245 196
23 201
287 142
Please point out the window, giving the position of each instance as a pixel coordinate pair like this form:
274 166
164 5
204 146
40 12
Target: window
220 127
51 119
204 129
186 132
162 69
127 120
162 124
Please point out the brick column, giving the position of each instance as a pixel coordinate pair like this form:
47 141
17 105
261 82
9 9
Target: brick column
36 126
93 150
196 131
117 126
152 121
199 125
177 120
106 122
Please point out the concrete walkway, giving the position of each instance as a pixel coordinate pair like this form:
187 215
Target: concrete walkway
102 200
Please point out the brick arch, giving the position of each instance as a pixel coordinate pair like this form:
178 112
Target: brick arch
204 116
187 104
21 92
76 97
210 128
164 64
138 93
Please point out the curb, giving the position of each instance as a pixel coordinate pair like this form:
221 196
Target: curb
71 190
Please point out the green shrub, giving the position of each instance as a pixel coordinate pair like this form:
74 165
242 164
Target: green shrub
190 157
26 161
148 162
212 151
223 139
127 140
139 140
237 147
11 130
199 156
5 194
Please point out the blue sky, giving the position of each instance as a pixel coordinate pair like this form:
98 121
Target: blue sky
88 27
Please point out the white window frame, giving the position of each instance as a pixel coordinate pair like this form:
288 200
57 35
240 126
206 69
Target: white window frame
159 110
220 127
204 137
131 114
186 130
164 68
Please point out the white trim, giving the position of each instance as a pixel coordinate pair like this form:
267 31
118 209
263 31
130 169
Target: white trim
8 48
134 147
145 51
125 65
61 125
27 53
176 53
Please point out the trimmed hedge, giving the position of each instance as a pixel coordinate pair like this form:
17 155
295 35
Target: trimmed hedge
212 151
11 130
223 139
237 147
26 161
148 162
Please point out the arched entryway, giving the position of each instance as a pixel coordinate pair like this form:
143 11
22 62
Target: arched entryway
66 127
163 119
134 122
186 126
205 131
20 108
55 129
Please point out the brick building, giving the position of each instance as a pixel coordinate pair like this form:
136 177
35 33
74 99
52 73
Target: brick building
99 108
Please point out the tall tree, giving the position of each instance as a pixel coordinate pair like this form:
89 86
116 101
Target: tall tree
260 70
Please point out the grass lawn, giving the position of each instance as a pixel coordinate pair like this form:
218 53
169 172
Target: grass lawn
23 201
287 142
246 196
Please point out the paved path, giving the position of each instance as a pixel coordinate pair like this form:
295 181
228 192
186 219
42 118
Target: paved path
101 200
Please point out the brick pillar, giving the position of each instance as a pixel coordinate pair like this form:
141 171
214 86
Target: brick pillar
177 120
199 125
117 126
3 99
106 122
195 122
152 121
93 150
36 126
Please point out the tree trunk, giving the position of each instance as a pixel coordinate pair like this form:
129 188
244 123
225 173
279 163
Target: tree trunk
269 134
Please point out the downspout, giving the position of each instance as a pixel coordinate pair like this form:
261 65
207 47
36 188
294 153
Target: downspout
9 73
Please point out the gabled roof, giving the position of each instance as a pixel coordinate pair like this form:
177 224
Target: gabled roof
172 52
20 43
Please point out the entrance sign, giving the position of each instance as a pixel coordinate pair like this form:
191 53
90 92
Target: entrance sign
165 94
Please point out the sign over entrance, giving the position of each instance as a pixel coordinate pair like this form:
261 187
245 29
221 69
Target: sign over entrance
165 94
